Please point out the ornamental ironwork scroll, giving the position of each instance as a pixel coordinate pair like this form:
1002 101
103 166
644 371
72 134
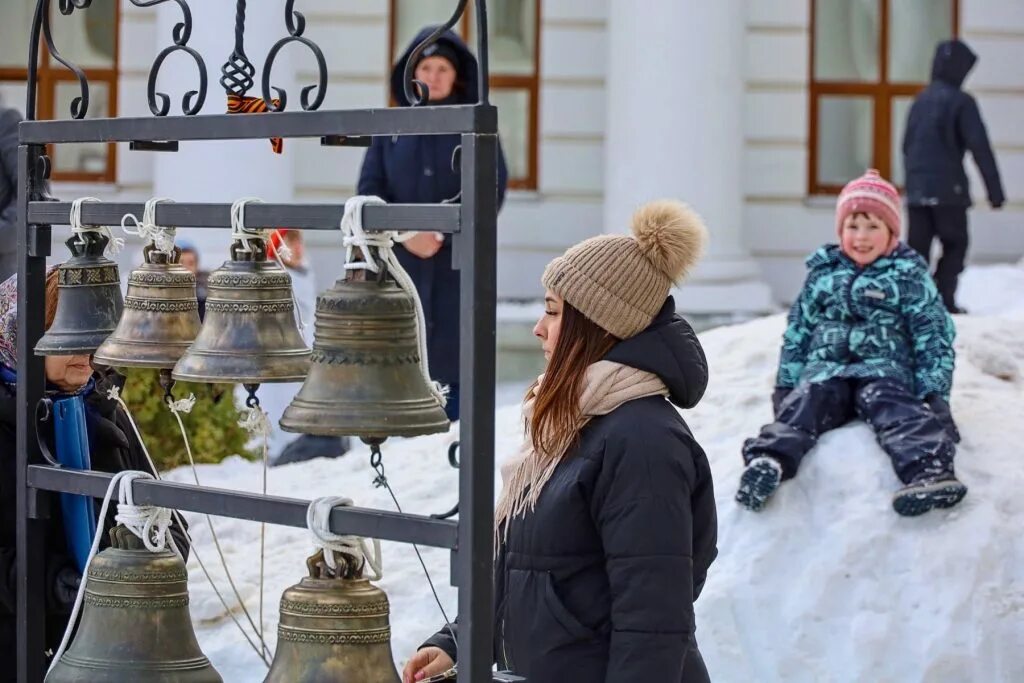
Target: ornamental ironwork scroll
296 24
192 101
416 92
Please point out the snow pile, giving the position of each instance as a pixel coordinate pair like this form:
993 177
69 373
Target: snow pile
827 584
993 290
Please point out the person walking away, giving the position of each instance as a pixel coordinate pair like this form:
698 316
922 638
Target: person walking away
944 122
417 169
606 524
868 337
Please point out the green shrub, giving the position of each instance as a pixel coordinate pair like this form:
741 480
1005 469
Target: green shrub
212 426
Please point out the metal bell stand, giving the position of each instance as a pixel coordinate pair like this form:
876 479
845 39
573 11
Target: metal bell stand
472 223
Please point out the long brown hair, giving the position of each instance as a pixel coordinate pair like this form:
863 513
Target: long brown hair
554 425
50 310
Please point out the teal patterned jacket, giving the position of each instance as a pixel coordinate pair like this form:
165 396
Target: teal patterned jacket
885 320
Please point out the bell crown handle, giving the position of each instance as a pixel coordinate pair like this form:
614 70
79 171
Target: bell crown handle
87 244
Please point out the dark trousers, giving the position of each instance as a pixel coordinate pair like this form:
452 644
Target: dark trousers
906 428
949 224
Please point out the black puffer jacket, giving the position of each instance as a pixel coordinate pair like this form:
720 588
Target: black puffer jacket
9 120
113 448
943 124
598 582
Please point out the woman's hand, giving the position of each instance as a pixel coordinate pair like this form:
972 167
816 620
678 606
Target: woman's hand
429 661
424 244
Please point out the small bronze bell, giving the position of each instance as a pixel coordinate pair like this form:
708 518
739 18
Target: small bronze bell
135 622
365 378
333 629
89 302
161 315
249 335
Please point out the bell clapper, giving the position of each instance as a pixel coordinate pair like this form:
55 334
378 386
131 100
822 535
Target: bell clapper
167 384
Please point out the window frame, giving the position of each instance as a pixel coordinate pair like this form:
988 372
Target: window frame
499 81
882 93
49 75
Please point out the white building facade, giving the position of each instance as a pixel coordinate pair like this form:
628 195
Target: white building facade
752 111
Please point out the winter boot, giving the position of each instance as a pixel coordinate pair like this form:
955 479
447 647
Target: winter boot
758 482
927 492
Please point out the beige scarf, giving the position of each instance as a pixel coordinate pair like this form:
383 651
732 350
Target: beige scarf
607 386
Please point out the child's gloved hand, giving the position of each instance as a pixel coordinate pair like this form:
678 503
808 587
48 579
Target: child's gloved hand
940 407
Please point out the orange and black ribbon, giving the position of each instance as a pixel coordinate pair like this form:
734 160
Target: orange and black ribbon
241 104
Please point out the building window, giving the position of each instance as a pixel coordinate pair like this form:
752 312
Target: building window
513 28
88 38
869 58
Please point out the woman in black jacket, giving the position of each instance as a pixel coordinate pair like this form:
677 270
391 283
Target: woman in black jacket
417 169
606 525
113 447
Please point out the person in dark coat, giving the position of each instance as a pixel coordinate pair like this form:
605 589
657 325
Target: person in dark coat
868 337
606 524
9 120
418 170
944 122
113 447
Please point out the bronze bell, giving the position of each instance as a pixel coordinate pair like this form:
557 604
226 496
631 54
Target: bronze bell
89 302
135 623
365 378
333 628
249 335
161 315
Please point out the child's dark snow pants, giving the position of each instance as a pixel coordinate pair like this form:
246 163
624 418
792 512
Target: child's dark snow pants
905 426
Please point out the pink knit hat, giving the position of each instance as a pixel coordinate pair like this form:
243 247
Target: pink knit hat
871 193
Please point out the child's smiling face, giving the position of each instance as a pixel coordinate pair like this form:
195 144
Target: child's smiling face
865 238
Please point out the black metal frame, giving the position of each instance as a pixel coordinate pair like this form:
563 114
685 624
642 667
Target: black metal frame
473 223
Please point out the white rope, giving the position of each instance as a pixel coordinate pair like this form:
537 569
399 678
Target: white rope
78 229
185 405
242 234
355 237
161 237
149 523
318 520
256 421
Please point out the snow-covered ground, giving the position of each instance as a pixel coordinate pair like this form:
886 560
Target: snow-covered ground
828 584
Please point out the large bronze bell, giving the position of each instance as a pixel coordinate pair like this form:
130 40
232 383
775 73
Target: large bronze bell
365 378
249 335
333 629
135 622
161 315
89 302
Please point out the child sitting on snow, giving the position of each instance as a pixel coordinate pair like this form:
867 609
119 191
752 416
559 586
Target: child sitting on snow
868 337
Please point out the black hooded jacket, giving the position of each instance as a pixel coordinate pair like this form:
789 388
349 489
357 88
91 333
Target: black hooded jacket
417 169
943 124
114 447
597 583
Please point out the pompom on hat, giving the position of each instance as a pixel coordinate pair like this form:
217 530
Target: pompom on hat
620 282
871 193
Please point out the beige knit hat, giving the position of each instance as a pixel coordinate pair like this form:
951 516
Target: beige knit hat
620 282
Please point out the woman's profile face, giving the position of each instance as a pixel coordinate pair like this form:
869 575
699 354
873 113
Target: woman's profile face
439 75
68 373
550 323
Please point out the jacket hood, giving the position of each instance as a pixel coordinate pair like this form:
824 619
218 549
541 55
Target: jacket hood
831 255
952 62
669 348
466 86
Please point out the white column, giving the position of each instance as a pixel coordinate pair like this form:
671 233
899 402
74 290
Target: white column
675 130
222 171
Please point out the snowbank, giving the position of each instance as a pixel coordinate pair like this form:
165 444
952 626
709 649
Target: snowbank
993 290
827 584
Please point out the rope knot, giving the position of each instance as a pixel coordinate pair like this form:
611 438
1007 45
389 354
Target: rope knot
162 238
183 405
255 421
318 520
114 393
114 244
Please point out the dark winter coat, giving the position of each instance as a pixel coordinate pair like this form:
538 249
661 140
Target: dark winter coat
417 169
113 448
597 583
9 120
945 122
883 321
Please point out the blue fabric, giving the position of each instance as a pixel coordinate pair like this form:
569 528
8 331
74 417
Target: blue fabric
72 442
884 321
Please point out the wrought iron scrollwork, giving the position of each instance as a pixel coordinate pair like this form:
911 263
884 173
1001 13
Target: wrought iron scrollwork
296 24
160 103
411 84
41 23
482 53
237 73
